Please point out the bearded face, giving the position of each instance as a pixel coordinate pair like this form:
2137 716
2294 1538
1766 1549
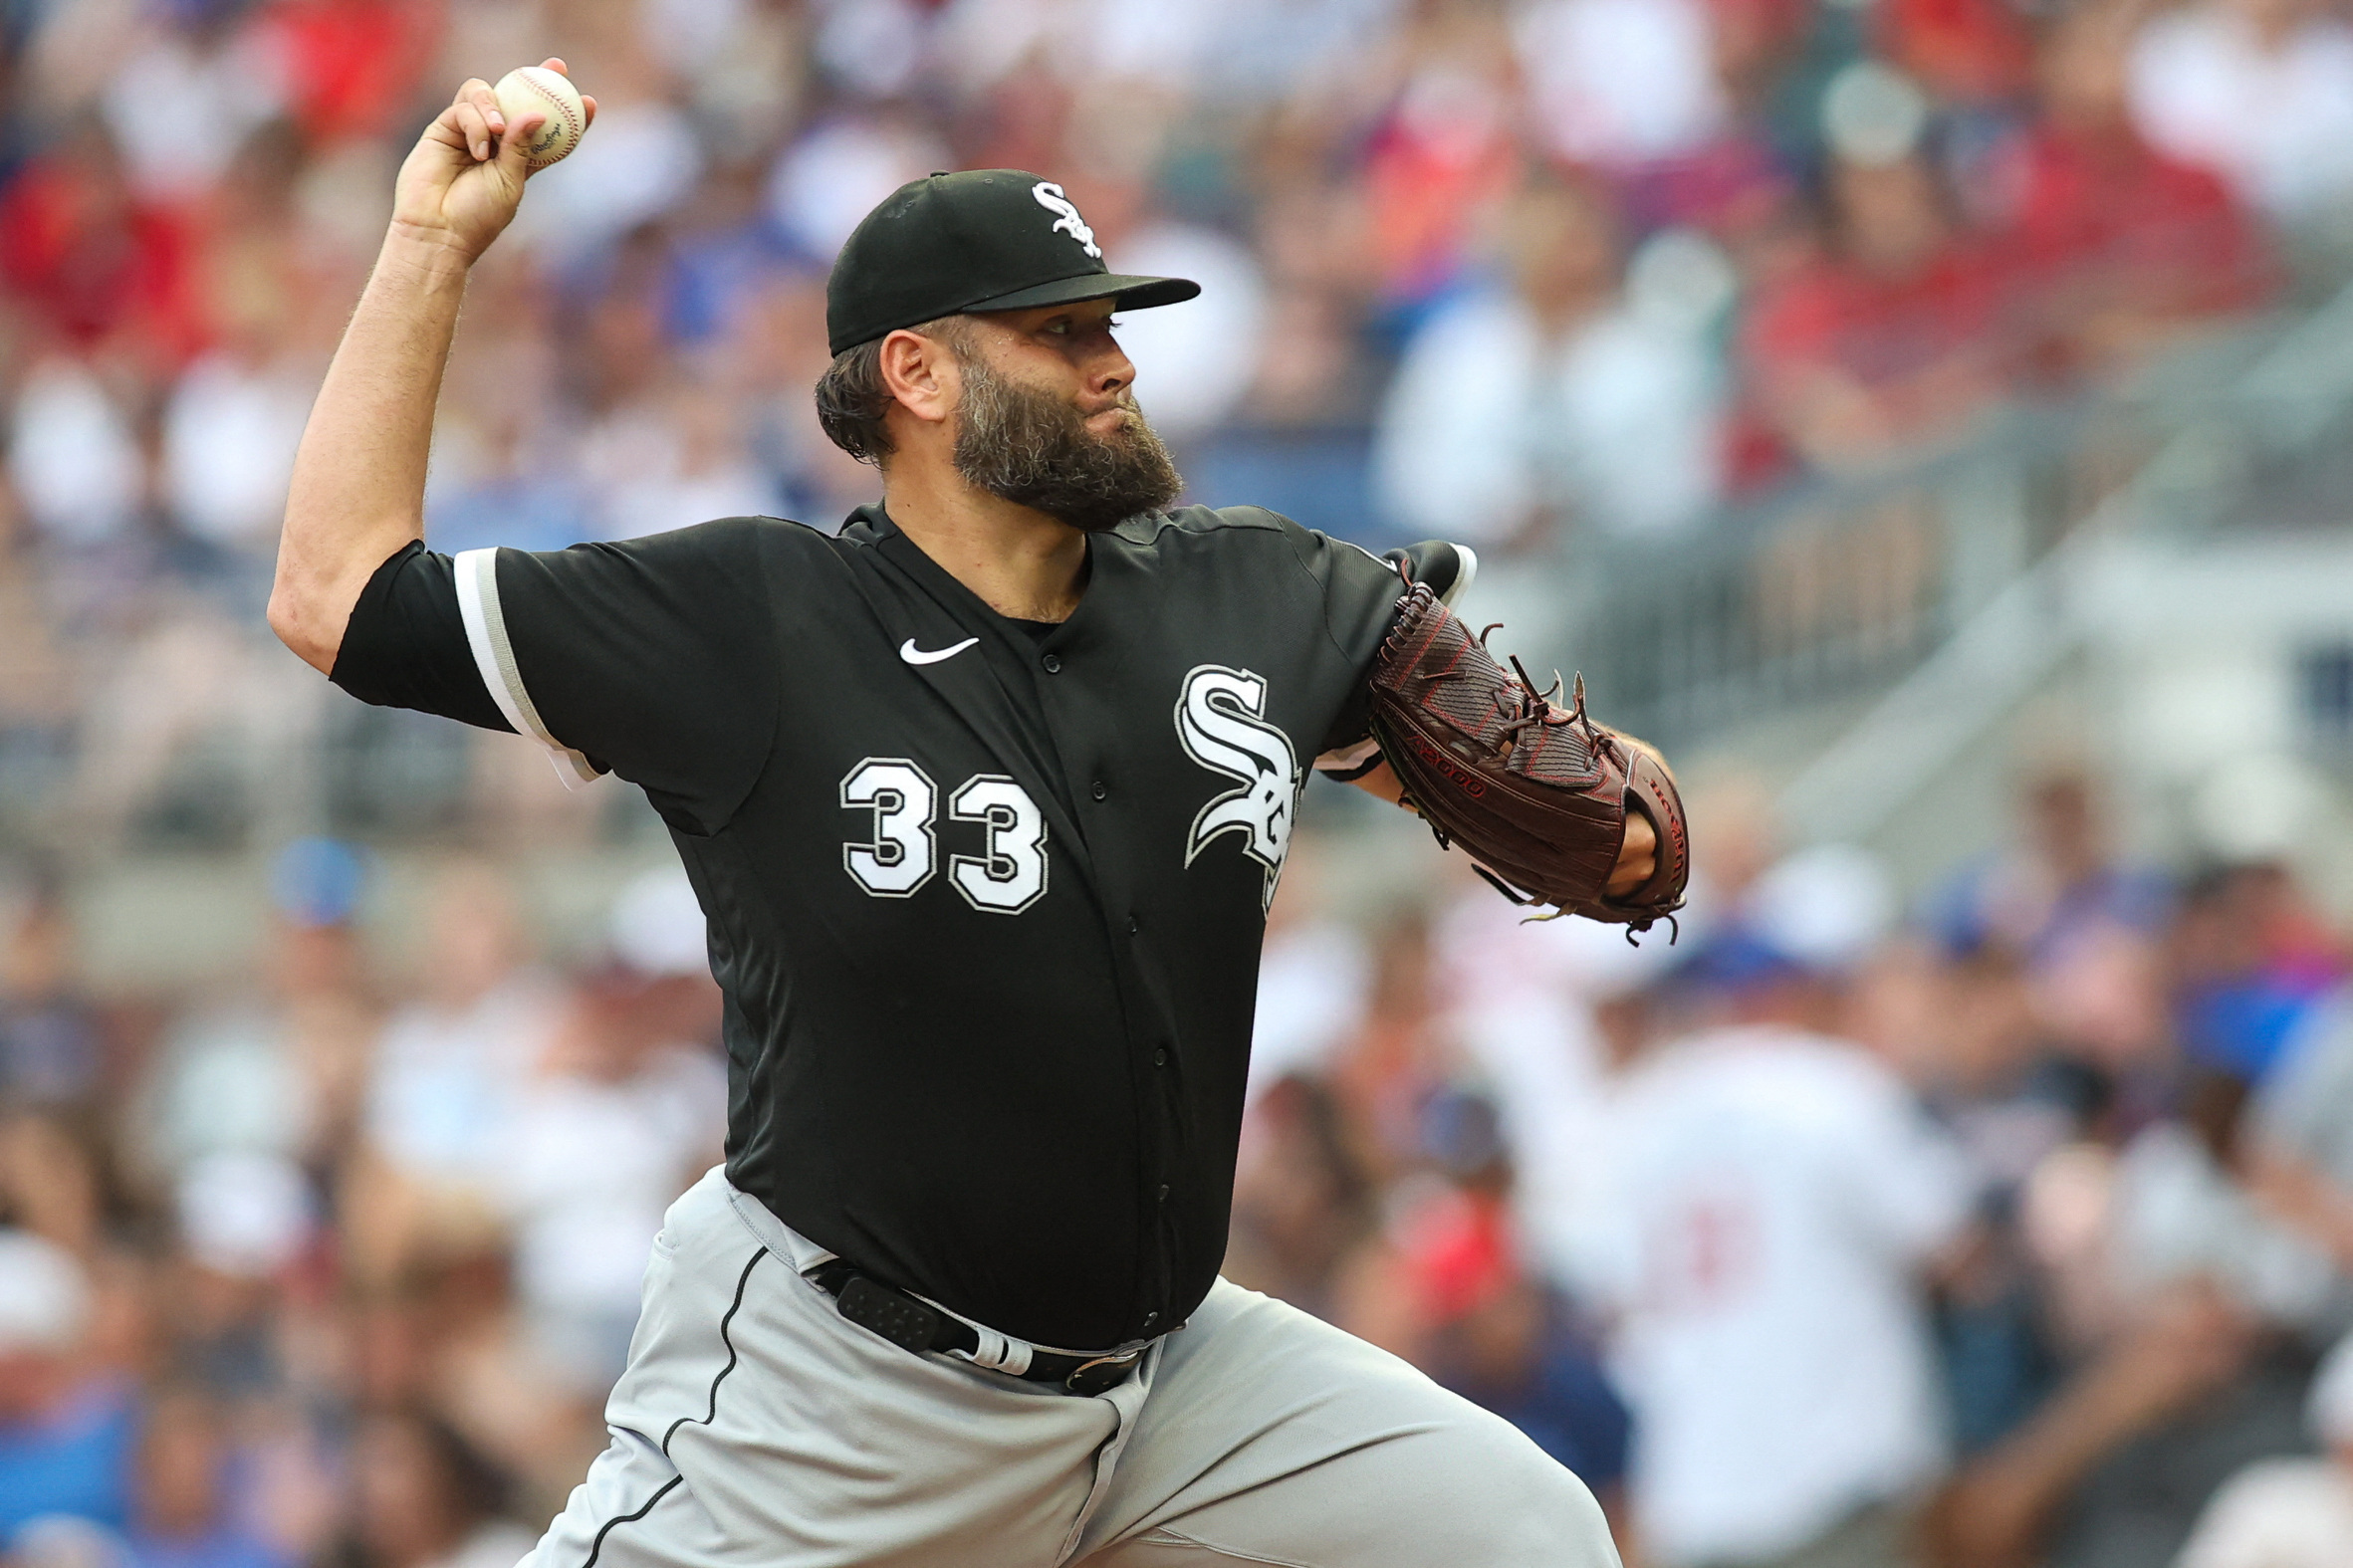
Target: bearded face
1032 446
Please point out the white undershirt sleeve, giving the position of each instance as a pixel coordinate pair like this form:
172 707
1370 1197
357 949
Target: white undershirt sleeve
494 656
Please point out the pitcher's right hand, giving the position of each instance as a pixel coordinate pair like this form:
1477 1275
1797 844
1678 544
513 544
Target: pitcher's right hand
460 185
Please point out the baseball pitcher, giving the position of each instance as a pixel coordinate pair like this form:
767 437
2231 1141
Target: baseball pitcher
984 797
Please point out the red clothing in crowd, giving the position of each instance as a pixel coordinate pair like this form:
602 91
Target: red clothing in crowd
2104 223
91 264
1886 333
1730 187
1427 168
1969 49
354 65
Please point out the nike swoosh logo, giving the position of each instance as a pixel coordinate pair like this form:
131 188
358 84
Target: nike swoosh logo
914 655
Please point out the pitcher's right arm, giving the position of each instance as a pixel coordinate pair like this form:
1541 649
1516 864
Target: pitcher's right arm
359 486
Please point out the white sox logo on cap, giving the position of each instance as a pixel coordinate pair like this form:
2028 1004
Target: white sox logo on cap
1220 719
1051 198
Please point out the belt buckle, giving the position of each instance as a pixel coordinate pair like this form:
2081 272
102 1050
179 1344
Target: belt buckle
1120 1363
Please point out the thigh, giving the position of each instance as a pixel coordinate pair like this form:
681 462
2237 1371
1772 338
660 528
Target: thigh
1269 1436
753 1426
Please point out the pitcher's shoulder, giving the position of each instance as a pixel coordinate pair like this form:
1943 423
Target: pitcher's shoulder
1229 533
1217 528
775 543
1242 527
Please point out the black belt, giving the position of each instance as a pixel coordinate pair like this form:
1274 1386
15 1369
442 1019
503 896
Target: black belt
915 1326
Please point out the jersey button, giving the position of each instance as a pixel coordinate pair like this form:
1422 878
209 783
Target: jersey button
1103 790
1052 663
1135 925
1160 1059
1164 1191
1151 1318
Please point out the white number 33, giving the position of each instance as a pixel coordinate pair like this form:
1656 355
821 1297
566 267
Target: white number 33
904 853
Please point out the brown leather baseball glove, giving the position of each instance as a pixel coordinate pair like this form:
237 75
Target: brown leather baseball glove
1538 796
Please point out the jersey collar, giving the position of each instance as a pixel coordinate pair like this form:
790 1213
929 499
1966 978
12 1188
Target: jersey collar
869 525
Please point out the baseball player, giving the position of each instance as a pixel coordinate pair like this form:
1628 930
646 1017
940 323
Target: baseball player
983 797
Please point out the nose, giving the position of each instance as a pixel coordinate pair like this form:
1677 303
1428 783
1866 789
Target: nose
1112 373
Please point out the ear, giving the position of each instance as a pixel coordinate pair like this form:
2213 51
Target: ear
922 374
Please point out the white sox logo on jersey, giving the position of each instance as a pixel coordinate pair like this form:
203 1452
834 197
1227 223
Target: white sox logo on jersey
1220 719
1051 198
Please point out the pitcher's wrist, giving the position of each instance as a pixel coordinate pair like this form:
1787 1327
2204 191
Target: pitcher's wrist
432 253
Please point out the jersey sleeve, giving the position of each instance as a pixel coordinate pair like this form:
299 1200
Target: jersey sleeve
1360 591
405 643
651 659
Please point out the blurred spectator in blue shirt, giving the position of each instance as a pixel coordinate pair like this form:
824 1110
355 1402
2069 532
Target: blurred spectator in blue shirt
2061 887
188 1511
65 1434
2247 972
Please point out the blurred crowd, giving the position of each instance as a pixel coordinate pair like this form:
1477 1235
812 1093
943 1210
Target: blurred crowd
2012 1228
1523 273
336 1263
2008 1227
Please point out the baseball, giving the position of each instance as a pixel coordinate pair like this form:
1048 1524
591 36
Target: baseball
530 89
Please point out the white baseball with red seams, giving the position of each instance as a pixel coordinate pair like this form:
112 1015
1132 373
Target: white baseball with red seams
535 89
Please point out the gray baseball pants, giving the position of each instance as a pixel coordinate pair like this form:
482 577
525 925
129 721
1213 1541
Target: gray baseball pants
756 1427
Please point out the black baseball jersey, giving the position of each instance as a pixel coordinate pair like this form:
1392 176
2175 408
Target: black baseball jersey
984 897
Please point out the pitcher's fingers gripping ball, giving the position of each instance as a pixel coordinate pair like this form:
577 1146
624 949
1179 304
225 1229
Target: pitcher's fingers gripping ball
537 90
1538 797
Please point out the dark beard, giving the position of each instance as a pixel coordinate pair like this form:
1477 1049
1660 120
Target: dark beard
1032 448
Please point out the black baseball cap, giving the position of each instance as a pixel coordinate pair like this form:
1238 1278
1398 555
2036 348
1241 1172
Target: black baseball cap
981 239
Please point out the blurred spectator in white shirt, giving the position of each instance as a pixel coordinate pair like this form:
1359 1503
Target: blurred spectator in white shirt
1311 975
229 434
833 175
2260 91
1553 400
870 48
1140 43
74 456
672 460
644 160
235 415
1773 1200
242 1219
451 1066
1272 49
1521 997
1621 82
187 94
624 1110
2182 1213
272 1073
2289 1512
2302 1138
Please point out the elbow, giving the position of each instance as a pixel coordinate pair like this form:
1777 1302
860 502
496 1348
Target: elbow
282 616
297 625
